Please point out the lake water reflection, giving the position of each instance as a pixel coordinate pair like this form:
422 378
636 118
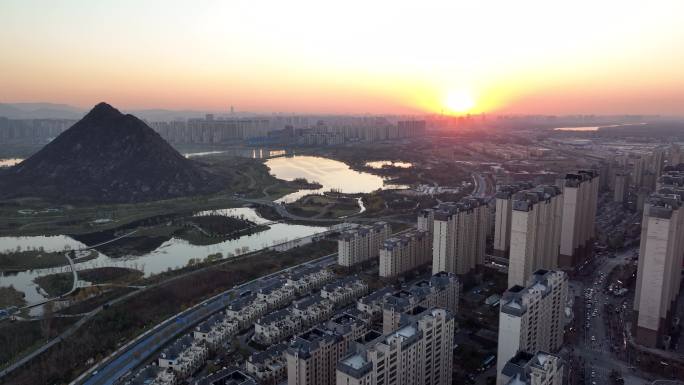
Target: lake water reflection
171 254
9 162
332 174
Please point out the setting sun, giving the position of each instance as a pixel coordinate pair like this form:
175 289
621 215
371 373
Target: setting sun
459 102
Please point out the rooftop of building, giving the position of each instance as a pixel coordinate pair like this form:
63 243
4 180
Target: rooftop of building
177 347
241 302
227 376
271 285
300 272
363 230
274 316
513 299
446 209
526 199
306 343
575 179
518 368
506 191
273 352
377 295
210 323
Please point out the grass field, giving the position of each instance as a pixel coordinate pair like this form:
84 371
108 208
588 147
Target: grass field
123 321
32 216
9 296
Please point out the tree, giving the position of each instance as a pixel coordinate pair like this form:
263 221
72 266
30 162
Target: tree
46 321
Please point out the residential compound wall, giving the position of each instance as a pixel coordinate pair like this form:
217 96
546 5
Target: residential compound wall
580 197
531 318
405 252
361 244
535 232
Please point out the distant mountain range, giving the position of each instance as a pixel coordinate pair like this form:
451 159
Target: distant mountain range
108 157
64 111
40 111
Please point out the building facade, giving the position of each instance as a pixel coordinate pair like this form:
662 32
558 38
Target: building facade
580 197
420 352
312 356
405 252
536 220
620 190
362 243
660 263
502 216
459 235
531 318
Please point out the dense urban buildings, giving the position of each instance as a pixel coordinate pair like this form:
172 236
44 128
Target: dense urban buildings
31 131
535 232
361 244
580 196
459 235
420 352
405 252
210 130
660 263
532 317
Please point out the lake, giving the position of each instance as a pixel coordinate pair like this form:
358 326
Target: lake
332 174
594 128
9 162
172 254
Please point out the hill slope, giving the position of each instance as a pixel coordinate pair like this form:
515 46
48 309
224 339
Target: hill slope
108 157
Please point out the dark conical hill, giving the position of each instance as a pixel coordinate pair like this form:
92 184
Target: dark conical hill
108 157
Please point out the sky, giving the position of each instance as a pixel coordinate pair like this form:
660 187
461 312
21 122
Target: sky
353 56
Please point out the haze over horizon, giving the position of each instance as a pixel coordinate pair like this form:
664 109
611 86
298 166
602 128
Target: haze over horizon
537 57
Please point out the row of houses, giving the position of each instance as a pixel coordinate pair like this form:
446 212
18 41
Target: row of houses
311 357
277 326
440 290
186 354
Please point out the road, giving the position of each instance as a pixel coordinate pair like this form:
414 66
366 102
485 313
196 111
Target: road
74 286
142 348
595 344
65 334
282 211
482 187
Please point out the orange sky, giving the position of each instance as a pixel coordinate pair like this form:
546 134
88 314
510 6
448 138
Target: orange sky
525 56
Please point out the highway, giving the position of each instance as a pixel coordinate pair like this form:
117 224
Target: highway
142 348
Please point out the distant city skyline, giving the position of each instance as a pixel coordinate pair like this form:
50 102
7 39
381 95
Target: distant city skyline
496 57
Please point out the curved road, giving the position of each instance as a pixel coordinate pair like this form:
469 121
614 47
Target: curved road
142 348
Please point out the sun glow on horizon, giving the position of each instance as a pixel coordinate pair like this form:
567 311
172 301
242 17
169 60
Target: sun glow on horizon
177 54
459 102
